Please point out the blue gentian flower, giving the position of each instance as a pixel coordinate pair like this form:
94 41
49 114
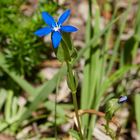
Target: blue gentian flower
122 99
55 28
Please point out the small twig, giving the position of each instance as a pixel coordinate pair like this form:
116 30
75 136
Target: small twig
98 113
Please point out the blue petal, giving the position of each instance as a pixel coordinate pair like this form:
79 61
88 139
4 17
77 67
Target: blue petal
43 31
63 17
48 19
56 38
68 28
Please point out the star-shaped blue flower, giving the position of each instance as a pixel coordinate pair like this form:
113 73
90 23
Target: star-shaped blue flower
56 28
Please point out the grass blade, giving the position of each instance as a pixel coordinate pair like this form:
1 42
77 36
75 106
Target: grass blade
43 94
137 110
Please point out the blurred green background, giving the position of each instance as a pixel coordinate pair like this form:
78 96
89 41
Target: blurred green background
107 67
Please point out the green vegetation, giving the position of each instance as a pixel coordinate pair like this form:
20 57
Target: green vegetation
110 70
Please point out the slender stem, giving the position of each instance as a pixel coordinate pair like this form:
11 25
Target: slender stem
72 80
76 113
72 83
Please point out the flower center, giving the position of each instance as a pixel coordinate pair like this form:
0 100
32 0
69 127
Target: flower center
56 28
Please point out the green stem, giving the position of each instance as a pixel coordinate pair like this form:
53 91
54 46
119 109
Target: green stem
73 88
76 113
72 83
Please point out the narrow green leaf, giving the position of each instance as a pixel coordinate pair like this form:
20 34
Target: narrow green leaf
74 134
3 95
118 40
95 38
43 94
7 111
137 110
